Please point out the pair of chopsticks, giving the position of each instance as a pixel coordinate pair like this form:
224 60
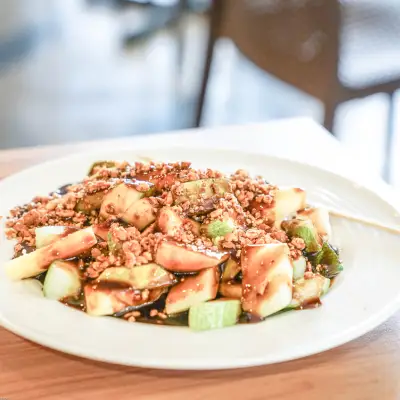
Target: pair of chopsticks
365 221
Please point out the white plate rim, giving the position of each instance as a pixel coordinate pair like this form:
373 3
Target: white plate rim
181 364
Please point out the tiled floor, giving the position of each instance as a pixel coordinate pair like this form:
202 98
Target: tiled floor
65 75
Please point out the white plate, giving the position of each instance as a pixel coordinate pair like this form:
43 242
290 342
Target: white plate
364 295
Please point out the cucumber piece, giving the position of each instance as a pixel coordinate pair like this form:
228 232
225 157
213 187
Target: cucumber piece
232 268
91 202
308 291
62 280
232 290
147 276
108 298
140 214
305 230
326 261
101 164
34 263
299 268
320 218
178 257
218 228
267 278
192 290
203 189
169 221
46 235
214 315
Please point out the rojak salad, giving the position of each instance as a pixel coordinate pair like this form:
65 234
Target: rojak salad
169 244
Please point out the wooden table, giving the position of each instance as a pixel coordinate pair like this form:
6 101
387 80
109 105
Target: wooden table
367 368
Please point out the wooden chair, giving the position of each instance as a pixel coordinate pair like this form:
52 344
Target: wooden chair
302 43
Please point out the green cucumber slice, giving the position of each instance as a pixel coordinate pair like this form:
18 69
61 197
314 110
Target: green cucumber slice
62 280
214 315
299 268
305 230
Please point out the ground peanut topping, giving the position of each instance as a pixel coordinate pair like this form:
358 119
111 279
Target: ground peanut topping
143 237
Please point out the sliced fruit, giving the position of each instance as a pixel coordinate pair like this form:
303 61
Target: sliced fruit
140 214
107 298
267 278
232 268
101 164
186 258
147 276
214 314
161 179
101 230
192 290
231 289
326 261
169 221
320 218
122 196
34 263
218 228
46 235
203 191
63 279
287 201
194 226
91 202
305 230
309 291
299 268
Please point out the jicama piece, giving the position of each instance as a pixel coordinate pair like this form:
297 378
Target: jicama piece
34 263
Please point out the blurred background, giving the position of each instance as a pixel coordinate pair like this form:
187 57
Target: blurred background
75 70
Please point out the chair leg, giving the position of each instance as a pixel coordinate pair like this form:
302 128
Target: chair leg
217 10
204 80
389 139
329 118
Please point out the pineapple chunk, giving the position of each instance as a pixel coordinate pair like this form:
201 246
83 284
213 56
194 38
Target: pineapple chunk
232 268
140 214
288 200
108 298
267 278
141 277
320 218
178 257
121 197
192 290
169 221
232 290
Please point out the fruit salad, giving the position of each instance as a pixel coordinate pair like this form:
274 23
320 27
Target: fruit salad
166 243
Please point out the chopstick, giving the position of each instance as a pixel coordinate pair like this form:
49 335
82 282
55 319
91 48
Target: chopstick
365 221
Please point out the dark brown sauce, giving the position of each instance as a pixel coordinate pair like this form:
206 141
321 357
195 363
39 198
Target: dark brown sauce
62 190
77 303
247 318
110 285
25 250
311 303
